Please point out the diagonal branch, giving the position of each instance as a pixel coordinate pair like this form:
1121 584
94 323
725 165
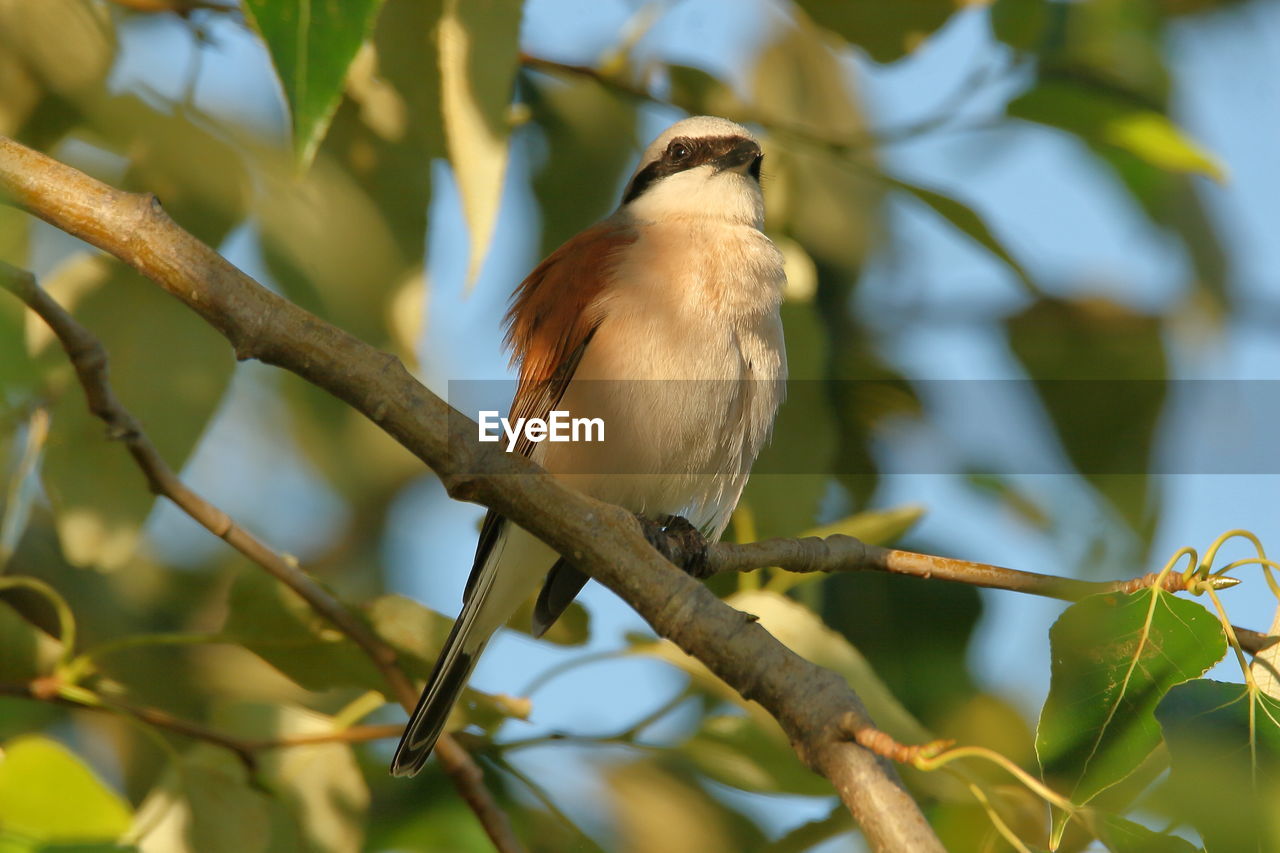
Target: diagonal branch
89 358
815 706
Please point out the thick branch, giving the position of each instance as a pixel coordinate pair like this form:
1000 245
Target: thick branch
89 358
813 705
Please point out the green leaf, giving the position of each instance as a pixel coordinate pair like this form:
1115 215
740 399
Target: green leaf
312 43
1224 749
1090 358
479 56
26 652
736 750
1105 117
1114 658
171 380
48 794
887 31
1021 24
590 145
966 220
1125 836
278 626
204 804
321 784
800 630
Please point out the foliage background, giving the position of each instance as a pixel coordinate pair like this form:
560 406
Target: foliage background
1023 190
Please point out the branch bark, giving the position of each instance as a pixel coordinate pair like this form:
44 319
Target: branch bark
89 359
815 707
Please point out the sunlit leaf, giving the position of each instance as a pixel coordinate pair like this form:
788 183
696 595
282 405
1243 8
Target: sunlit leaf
1105 118
1114 658
25 651
171 379
803 632
311 42
736 751
1224 747
690 819
283 630
321 784
479 56
205 804
47 793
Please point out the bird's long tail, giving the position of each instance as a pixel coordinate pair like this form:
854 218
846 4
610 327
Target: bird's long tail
458 657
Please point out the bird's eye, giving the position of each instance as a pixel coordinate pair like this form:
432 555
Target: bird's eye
678 151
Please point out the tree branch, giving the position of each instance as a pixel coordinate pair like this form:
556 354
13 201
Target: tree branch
89 358
244 748
815 706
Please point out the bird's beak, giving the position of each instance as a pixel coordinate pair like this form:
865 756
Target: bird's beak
738 158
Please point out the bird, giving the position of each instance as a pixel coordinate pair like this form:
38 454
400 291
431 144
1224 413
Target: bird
664 320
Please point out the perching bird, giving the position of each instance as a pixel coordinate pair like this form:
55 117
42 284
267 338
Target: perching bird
663 321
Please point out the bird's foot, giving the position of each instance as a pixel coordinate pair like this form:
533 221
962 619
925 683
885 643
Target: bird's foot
678 541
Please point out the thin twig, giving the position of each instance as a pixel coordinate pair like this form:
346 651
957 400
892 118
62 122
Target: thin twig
89 359
244 748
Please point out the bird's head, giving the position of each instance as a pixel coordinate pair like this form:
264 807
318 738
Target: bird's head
702 167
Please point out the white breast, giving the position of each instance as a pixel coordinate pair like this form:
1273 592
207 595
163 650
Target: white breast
686 368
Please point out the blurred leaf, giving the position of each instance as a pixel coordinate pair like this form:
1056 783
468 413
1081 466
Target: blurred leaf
283 630
967 221
321 784
827 201
26 652
47 793
1114 658
1125 836
659 812
1011 496
1089 360
880 614
590 143
52 53
736 751
1104 117
171 379
1224 746
788 480
416 632
800 630
479 56
1021 24
311 45
204 804
887 31
698 92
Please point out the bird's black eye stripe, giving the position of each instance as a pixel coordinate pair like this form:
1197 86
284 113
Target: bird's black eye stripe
680 155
